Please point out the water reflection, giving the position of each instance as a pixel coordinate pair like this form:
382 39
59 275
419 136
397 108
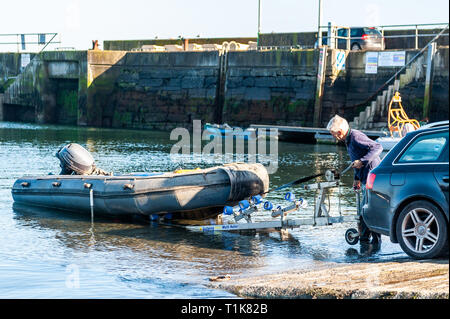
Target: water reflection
161 246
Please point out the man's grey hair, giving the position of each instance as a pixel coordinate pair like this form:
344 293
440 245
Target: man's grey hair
337 124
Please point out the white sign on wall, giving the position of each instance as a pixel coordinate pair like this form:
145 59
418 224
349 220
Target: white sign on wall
24 59
340 60
371 62
391 58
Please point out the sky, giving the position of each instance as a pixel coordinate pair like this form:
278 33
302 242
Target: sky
78 22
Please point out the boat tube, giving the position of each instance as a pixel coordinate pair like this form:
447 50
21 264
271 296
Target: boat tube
182 191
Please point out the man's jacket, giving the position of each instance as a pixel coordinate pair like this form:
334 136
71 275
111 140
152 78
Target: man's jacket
362 148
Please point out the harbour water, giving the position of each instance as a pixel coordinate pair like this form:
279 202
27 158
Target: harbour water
51 254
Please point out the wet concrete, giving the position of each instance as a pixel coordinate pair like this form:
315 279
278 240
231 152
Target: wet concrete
406 279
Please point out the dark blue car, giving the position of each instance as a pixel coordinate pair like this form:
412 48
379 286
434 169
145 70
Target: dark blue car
407 194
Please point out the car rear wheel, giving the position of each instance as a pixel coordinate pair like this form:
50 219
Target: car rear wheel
355 47
422 230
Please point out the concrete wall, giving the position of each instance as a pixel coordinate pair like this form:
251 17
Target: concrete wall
41 92
151 90
272 87
10 67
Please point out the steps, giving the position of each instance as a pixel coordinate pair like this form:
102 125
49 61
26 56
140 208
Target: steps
374 116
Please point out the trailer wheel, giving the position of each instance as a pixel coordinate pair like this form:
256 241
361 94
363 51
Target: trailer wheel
351 236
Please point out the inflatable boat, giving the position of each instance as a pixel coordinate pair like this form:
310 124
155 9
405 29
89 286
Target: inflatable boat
184 192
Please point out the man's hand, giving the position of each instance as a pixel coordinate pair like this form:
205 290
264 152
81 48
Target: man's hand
356 185
357 164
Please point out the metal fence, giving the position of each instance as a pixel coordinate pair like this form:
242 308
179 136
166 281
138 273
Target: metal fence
408 36
419 31
26 42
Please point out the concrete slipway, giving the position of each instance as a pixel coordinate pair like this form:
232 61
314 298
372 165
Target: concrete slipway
404 279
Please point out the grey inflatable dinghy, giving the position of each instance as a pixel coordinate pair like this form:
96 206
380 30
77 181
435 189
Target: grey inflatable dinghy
185 191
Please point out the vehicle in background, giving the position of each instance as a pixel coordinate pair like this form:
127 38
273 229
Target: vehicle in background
407 193
361 38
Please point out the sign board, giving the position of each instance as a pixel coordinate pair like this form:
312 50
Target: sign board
371 62
24 59
340 60
391 58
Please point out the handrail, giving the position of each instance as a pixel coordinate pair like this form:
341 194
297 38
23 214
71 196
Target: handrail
393 25
17 42
398 72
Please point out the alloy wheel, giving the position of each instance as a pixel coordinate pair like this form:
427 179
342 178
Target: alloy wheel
420 230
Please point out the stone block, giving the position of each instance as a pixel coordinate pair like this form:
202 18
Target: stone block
191 82
235 92
151 83
236 71
257 93
233 82
211 93
210 82
304 95
248 81
197 93
263 72
267 81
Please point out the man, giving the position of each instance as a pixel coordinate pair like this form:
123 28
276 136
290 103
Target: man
365 156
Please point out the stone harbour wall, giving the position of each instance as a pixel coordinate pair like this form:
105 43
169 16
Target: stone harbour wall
151 90
164 90
272 87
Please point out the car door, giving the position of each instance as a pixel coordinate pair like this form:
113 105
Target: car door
441 173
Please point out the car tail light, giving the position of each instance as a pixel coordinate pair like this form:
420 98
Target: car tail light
370 180
365 36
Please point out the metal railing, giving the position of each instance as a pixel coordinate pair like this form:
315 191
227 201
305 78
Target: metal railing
417 35
21 40
382 28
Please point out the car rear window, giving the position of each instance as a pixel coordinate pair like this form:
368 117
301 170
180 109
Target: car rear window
426 148
356 32
371 31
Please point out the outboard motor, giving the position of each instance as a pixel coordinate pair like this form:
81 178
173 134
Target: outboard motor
75 159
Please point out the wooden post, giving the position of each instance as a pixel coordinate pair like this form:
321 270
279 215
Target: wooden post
428 80
320 85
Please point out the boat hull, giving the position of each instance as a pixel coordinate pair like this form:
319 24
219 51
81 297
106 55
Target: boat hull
388 142
134 194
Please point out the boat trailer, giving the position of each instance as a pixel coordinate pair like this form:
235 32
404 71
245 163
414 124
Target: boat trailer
321 217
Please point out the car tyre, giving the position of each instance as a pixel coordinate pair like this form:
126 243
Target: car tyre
355 47
422 230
